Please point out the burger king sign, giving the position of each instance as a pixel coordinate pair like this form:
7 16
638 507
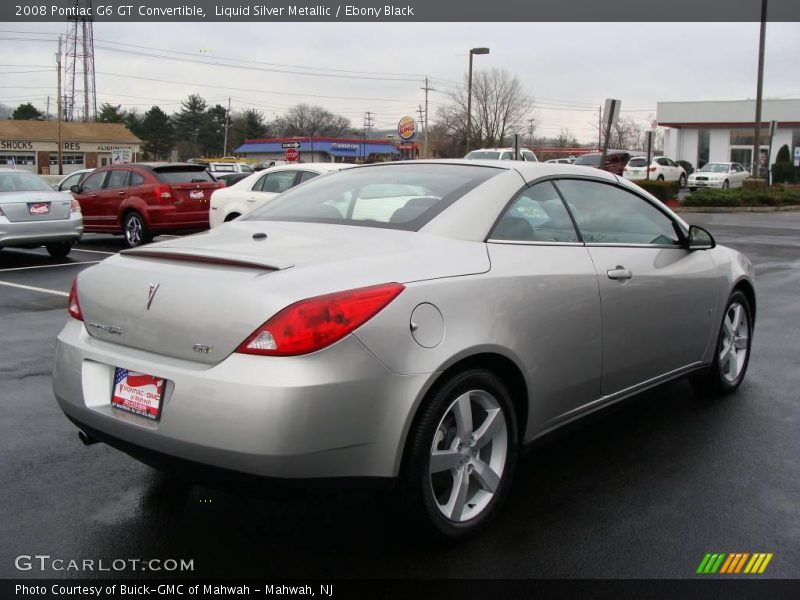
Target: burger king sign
407 129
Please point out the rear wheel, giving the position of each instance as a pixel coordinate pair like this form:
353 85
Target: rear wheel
732 355
682 180
135 230
59 250
726 184
660 178
232 216
462 454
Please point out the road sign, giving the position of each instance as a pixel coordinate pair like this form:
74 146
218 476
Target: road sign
291 154
407 129
611 111
120 156
285 145
797 157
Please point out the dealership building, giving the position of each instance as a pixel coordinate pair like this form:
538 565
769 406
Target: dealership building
722 131
33 145
320 149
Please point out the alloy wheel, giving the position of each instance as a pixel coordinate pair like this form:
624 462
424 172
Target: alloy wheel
468 455
734 342
134 230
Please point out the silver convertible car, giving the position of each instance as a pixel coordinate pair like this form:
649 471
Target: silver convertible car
415 322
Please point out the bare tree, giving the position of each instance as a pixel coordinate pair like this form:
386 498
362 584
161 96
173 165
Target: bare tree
566 139
500 108
307 120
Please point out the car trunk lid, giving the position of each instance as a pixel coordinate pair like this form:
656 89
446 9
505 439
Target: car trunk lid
22 207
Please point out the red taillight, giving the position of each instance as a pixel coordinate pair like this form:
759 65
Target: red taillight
652 168
163 192
74 206
313 324
73 306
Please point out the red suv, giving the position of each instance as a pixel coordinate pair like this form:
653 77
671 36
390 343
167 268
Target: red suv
615 161
140 199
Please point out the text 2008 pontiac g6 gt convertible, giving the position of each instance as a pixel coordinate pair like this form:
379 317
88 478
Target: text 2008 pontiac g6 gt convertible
418 322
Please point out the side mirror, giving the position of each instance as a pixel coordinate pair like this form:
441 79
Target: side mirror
700 239
75 189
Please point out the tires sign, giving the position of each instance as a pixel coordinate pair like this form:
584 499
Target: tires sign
291 154
407 129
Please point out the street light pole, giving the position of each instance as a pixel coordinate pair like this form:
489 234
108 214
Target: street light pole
759 85
469 92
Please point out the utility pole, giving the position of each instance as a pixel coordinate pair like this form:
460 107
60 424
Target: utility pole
422 122
599 127
368 123
227 124
47 111
60 144
759 85
427 89
531 129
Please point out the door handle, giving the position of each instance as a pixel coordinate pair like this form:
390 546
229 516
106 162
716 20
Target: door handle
121 193
619 272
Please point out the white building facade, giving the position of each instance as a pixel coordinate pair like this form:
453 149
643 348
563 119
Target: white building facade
722 131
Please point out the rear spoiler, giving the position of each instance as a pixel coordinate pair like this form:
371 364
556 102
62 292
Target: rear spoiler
217 258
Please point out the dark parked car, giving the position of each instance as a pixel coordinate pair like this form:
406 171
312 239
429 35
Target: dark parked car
615 161
232 178
140 199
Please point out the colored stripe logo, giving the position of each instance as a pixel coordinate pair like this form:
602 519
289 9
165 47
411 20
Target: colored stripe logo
734 563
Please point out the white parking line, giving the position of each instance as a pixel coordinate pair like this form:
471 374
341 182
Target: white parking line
92 251
35 289
76 264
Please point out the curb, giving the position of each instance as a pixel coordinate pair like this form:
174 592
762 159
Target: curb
735 209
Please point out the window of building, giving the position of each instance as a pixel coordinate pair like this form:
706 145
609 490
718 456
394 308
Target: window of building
17 159
67 158
703 146
745 137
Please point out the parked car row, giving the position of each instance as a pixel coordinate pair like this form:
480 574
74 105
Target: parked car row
141 200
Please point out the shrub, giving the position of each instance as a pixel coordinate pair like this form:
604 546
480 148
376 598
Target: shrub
784 155
687 166
784 172
663 190
744 197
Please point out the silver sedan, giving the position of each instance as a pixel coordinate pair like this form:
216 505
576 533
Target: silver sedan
33 214
417 321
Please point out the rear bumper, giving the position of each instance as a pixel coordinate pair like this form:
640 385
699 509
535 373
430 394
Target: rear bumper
335 413
35 233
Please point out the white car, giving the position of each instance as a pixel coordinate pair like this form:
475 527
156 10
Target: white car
259 188
501 154
721 175
73 178
226 168
561 161
661 169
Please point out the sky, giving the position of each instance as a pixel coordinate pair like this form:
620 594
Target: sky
351 68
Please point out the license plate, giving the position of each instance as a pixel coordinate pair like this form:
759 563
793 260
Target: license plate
138 393
196 195
39 208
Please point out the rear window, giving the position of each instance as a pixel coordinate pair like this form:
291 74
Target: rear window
22 181
637 162
483 155
388 196
182 175
590 160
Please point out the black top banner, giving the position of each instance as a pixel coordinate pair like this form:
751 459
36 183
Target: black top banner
401 11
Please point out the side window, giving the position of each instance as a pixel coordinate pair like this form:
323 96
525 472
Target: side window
70 181
117 179
306 175
506 156
528 155
94 182
607 214
663 162
259 184
278 182
537 215
136 179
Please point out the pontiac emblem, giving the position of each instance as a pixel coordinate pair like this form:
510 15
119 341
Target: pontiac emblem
152 293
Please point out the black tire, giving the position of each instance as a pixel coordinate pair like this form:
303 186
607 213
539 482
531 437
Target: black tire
712 381
726 184
232 216
135 230
692 189
660 178
682 181
59 250
429 427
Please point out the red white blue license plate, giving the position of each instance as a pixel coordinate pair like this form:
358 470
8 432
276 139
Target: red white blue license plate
197 195
138 393
39 208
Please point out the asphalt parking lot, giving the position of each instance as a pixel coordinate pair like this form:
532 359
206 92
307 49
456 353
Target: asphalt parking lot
643 491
